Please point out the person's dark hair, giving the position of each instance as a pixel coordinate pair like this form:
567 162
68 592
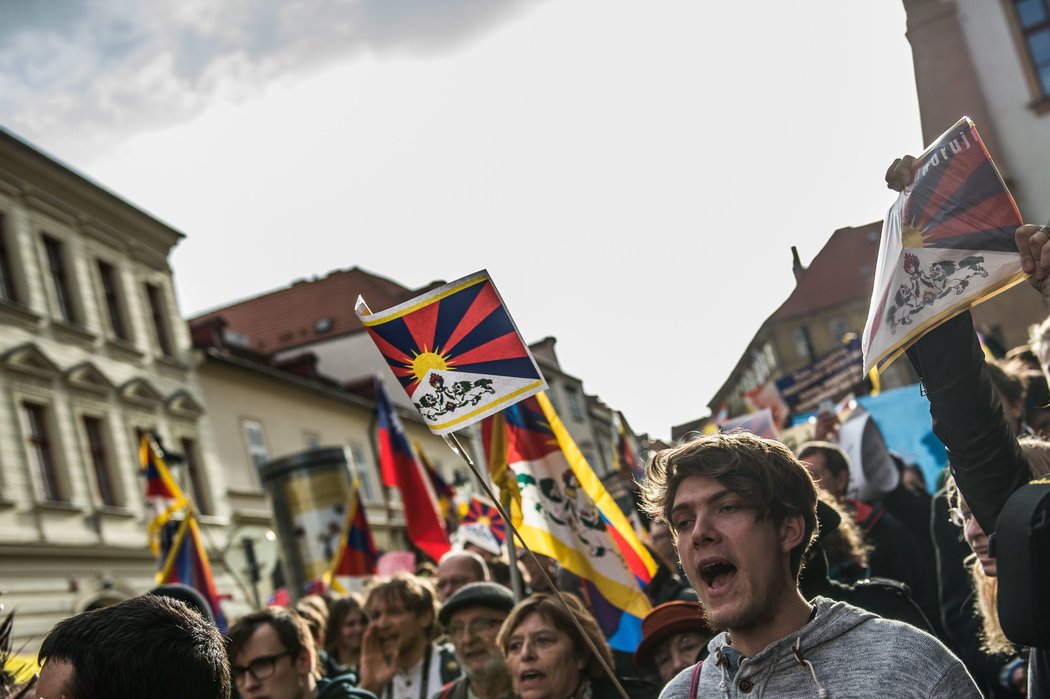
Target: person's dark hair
147 646
416 594
763 471
547 606
1008 383
1037 395
292 631
835 460
340 608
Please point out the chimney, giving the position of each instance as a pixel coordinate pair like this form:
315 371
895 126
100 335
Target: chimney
796 265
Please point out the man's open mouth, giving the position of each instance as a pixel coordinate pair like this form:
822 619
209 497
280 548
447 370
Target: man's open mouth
717 573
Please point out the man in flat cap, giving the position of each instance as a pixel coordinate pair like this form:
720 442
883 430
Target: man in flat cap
472 617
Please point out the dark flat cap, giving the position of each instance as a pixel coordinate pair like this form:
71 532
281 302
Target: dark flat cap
479 594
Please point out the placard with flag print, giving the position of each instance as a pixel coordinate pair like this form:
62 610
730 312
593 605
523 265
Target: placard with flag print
947 244
456 352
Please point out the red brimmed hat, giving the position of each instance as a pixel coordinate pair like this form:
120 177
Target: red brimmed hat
663 622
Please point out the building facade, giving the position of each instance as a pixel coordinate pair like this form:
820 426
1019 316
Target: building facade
92 353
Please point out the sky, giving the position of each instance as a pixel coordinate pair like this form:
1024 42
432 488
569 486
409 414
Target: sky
632 174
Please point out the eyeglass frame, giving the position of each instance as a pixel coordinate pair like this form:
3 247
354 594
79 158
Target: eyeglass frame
475 627
238 672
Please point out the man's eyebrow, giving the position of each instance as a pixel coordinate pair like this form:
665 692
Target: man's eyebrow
716 497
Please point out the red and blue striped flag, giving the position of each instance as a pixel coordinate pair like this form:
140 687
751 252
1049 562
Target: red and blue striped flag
356 555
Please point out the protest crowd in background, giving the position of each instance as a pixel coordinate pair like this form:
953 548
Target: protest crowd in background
831 568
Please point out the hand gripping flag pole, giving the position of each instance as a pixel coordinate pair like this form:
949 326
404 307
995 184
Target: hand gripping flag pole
458 355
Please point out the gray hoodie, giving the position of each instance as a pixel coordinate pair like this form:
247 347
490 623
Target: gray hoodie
842 652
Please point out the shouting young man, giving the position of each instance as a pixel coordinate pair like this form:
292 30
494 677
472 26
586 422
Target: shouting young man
742 511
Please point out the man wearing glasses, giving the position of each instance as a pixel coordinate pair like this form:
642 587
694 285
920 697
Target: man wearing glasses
272 655
472 617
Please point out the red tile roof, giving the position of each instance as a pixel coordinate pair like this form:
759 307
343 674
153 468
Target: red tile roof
843 271
296 315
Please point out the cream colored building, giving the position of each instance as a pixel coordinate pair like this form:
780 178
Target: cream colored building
92 350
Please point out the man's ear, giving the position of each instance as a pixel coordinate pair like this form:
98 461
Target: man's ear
306 661
792 531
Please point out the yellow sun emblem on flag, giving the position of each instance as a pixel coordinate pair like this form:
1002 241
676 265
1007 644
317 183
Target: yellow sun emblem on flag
912 237
427 360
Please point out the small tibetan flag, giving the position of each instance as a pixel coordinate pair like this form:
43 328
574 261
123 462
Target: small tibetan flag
356 555
184 560
947 244
456 352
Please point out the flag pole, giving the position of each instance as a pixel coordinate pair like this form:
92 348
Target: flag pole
455 446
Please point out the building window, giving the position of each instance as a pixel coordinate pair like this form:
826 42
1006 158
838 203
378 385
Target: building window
7 281
195 476
1033 16
60 279
575 406
363 470
41 451
114 304
160 321
96 445
803 346
253 434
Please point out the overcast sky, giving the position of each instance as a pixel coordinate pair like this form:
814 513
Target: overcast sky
632 174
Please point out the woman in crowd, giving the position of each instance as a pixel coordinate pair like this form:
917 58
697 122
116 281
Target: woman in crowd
549 658
346 628
983 570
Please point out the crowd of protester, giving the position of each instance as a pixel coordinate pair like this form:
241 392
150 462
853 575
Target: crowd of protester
772 574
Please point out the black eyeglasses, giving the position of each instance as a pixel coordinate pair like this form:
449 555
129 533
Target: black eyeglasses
475 627
261 668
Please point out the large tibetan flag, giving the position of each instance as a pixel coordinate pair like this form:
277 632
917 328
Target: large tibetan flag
356 554
184 560
566 513
401 469
456 352
947 244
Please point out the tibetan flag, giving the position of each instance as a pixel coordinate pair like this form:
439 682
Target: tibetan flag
565 513
356 555
162 492
456 352
947 244
401 469
184 560
159 482
480 512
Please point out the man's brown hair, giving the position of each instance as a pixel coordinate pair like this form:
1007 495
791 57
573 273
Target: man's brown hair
415 594
763 471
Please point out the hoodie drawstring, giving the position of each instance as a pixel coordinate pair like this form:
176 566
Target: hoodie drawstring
821 692
722 663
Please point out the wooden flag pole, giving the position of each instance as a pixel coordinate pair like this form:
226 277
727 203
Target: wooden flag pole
454 445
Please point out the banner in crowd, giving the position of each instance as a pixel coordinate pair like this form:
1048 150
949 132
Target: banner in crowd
759 423
828 378
947 244
400 468
565 513
356 554
456 352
